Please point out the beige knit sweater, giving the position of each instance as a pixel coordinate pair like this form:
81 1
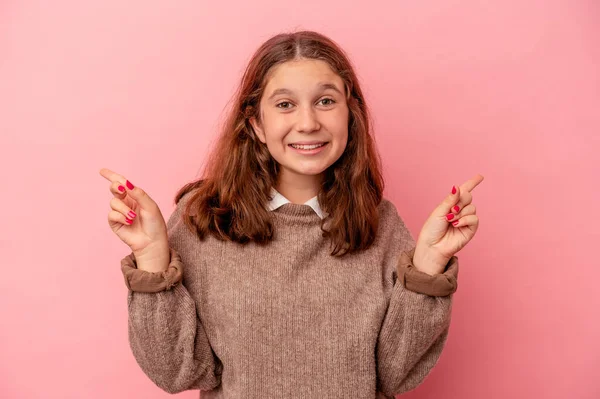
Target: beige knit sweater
288 320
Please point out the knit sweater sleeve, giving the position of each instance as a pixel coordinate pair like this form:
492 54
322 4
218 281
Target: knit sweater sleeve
417 322
166 335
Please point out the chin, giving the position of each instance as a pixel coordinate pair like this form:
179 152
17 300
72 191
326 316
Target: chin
310 171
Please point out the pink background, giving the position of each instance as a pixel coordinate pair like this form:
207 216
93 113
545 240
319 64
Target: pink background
508 89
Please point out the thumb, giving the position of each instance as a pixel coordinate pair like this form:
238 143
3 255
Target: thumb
446 206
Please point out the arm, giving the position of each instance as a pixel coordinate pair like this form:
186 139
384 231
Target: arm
417 321
166 336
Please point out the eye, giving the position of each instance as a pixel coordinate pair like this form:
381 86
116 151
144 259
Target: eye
332 101
285 103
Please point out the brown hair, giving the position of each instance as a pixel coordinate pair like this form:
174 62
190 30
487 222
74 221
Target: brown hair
230 201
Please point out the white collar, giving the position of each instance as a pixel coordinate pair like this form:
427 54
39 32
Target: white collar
279 200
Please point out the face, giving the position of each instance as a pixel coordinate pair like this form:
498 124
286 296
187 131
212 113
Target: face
304 119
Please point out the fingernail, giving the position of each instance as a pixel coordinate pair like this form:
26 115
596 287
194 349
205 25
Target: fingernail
121 188
129 221
456 208
450 216
455 223
129 185
132 214
453 190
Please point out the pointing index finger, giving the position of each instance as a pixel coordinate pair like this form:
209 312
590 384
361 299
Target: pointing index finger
112 176
470 184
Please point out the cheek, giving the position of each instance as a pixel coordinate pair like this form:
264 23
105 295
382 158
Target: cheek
338 126
276 129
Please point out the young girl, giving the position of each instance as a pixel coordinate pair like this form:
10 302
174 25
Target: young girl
283 272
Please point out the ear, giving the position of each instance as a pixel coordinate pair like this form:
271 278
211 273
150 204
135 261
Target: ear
258 130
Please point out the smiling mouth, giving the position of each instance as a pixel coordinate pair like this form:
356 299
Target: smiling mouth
307 146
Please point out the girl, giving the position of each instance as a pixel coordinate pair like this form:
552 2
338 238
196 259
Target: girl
283 272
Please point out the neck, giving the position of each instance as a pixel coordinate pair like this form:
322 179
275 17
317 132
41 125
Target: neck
298 188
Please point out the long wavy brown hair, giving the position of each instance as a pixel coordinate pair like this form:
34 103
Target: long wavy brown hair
230 200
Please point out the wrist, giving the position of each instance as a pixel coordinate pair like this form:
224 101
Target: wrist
153 259
429 262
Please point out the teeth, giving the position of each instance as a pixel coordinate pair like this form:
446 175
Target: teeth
307 147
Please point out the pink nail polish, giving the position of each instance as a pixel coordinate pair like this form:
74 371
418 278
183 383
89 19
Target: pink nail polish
456 209
453 190
454 223
121 188
129 221
132 214
450 216
129 185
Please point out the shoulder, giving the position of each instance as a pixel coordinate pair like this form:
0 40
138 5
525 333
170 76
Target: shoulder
175 221
391 224
180 229
388 211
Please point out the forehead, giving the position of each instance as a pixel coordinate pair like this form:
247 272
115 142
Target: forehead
301 74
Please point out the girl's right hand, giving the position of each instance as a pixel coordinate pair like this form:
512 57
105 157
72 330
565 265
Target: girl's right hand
135 218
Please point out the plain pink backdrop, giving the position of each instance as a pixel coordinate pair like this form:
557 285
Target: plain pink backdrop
508 89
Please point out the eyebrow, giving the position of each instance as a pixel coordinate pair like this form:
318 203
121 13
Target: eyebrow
322 86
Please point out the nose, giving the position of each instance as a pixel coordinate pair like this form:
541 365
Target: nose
307 120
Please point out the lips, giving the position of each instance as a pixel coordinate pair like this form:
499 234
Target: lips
307 147
304 145
309 142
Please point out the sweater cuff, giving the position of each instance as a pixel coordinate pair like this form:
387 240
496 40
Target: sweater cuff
143 281
412 279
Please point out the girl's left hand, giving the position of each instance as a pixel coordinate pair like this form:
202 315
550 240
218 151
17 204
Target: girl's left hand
448 229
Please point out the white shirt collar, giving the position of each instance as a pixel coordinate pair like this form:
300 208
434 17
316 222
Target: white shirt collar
279 200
